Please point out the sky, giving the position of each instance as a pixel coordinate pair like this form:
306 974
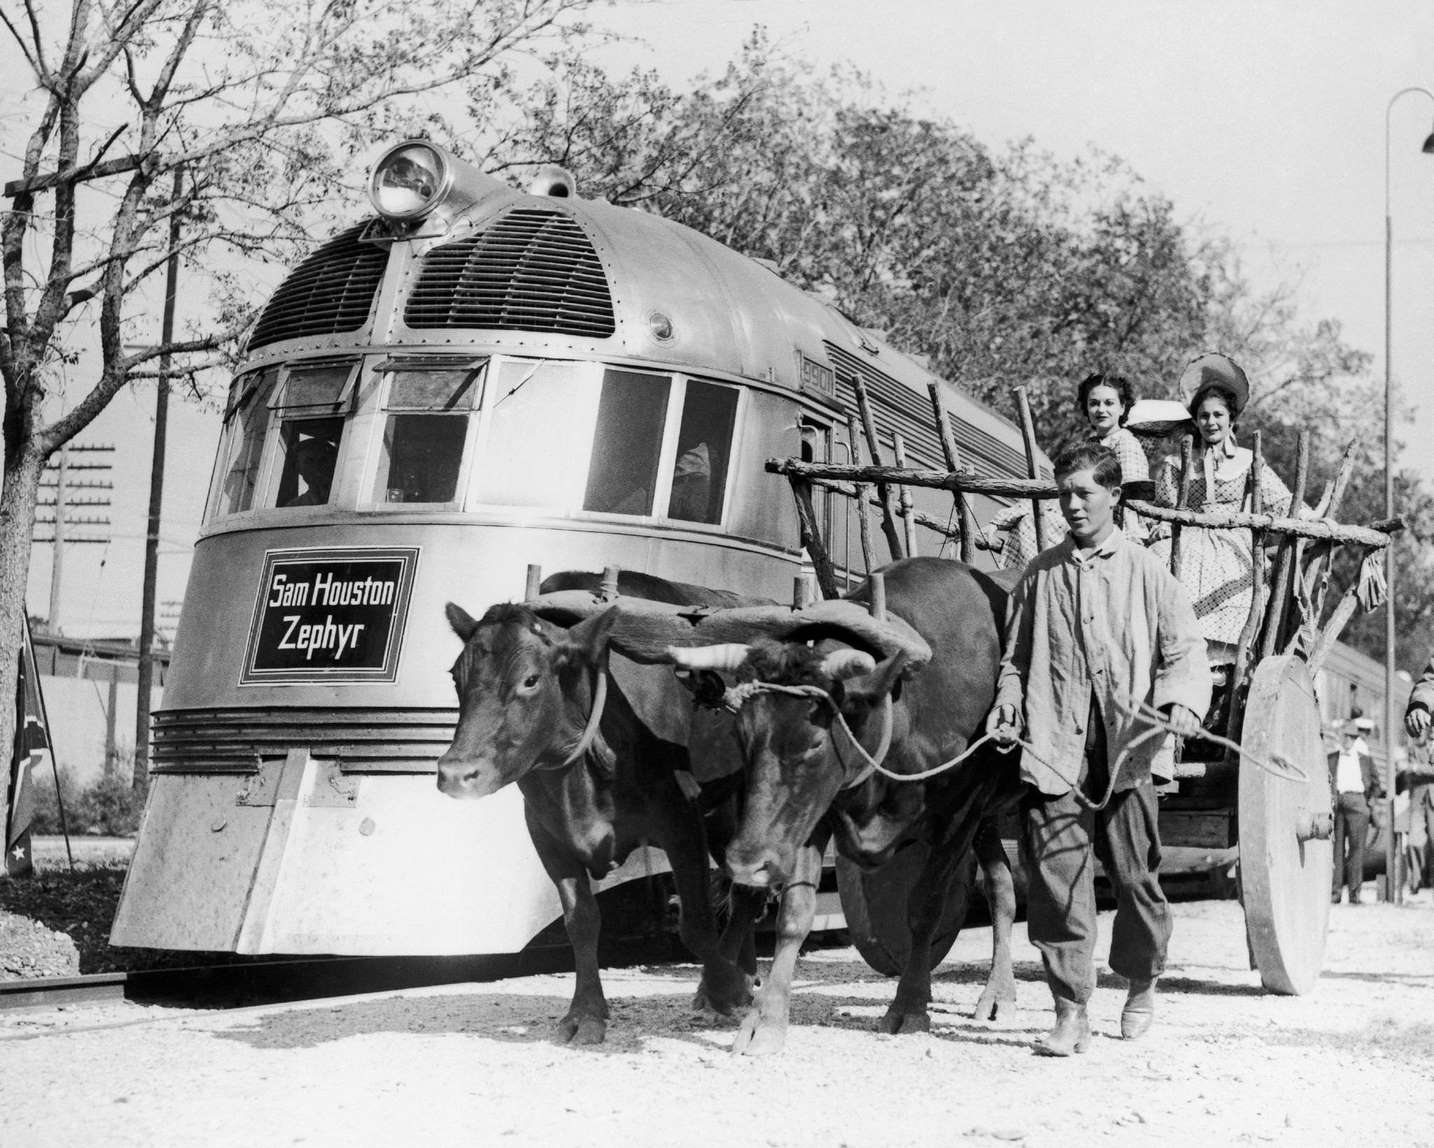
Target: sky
1262 121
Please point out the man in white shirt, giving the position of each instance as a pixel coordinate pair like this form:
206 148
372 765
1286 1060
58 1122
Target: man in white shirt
1363 726
1354 783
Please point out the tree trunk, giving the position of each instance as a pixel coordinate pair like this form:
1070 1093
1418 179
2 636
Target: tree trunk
22 471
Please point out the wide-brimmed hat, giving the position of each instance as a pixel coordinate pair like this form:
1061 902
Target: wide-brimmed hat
1157 417
1214 369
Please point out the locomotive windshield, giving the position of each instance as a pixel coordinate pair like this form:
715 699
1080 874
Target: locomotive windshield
311 427
565 436
427 427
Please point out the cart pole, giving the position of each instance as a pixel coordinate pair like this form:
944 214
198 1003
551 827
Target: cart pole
1182 499
863 493
953 463
1028 435
883 492
903 496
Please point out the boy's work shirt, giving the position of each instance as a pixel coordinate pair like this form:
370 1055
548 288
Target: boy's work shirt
1111 626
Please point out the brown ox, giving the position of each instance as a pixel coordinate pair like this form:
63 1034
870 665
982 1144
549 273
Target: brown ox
526 688
806 783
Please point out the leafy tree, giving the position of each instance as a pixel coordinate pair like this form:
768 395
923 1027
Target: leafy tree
237 121
1001 267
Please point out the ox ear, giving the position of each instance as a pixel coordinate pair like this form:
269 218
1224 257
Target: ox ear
587 641
461 621
871 688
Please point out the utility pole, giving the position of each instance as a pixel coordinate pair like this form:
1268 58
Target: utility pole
62 504
140 781
57 561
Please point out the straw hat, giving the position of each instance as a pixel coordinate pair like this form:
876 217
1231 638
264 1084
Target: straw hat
1214 369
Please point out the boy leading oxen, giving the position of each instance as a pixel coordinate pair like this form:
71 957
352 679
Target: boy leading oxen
1101 636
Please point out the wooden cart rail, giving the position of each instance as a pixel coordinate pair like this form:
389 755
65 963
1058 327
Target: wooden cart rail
1376 536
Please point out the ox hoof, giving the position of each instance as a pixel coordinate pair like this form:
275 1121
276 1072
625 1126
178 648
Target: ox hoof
758 1037
995 1005
581 1030
723 991
899 1023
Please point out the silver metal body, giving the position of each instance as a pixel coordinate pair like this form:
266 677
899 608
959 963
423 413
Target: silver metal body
293 806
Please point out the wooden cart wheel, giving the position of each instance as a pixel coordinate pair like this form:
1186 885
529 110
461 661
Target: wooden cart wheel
874 903
1285 826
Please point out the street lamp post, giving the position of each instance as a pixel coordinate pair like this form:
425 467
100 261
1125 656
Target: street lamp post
1391 872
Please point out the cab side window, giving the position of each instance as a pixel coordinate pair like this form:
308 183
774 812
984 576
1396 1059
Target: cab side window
427 427
622 477
246 418
704 451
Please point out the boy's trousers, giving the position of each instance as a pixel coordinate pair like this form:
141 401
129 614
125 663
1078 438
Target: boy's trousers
1058 839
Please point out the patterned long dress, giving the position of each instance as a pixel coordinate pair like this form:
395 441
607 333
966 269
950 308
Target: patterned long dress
1217 566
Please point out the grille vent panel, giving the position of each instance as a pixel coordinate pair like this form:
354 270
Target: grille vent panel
361 740
530 270
329 293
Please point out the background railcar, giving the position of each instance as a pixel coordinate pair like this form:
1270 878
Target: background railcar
475 379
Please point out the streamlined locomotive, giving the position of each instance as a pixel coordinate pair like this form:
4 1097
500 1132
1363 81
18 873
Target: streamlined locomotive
474 379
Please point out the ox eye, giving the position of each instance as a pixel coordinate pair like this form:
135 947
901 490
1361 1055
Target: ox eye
531 682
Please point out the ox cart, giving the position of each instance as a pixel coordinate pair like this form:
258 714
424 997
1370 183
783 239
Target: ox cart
1257 782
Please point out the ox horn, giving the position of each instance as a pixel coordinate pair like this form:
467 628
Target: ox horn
722 656
842 664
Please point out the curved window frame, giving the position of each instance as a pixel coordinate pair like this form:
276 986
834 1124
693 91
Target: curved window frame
468 401
285 410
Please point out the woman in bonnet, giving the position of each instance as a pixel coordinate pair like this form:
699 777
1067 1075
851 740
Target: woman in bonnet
1217 566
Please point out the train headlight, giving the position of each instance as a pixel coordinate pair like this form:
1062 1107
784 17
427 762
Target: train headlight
409 180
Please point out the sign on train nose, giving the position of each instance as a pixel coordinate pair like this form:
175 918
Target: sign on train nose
329 615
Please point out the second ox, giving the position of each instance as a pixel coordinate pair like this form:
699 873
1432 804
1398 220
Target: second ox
822 727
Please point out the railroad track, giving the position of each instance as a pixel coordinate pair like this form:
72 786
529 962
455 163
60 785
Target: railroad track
243 983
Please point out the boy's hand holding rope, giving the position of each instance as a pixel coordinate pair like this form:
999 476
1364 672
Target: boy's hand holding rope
1002 728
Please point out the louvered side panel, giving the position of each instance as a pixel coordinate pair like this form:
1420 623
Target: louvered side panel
529 271
330 293
913 418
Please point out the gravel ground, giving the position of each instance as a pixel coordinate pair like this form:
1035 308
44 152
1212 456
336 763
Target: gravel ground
1352 1062
56 923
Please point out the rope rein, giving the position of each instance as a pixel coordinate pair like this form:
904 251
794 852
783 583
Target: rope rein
737 696
590 731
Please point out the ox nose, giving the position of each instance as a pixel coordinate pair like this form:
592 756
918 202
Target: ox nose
762 869
460 777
